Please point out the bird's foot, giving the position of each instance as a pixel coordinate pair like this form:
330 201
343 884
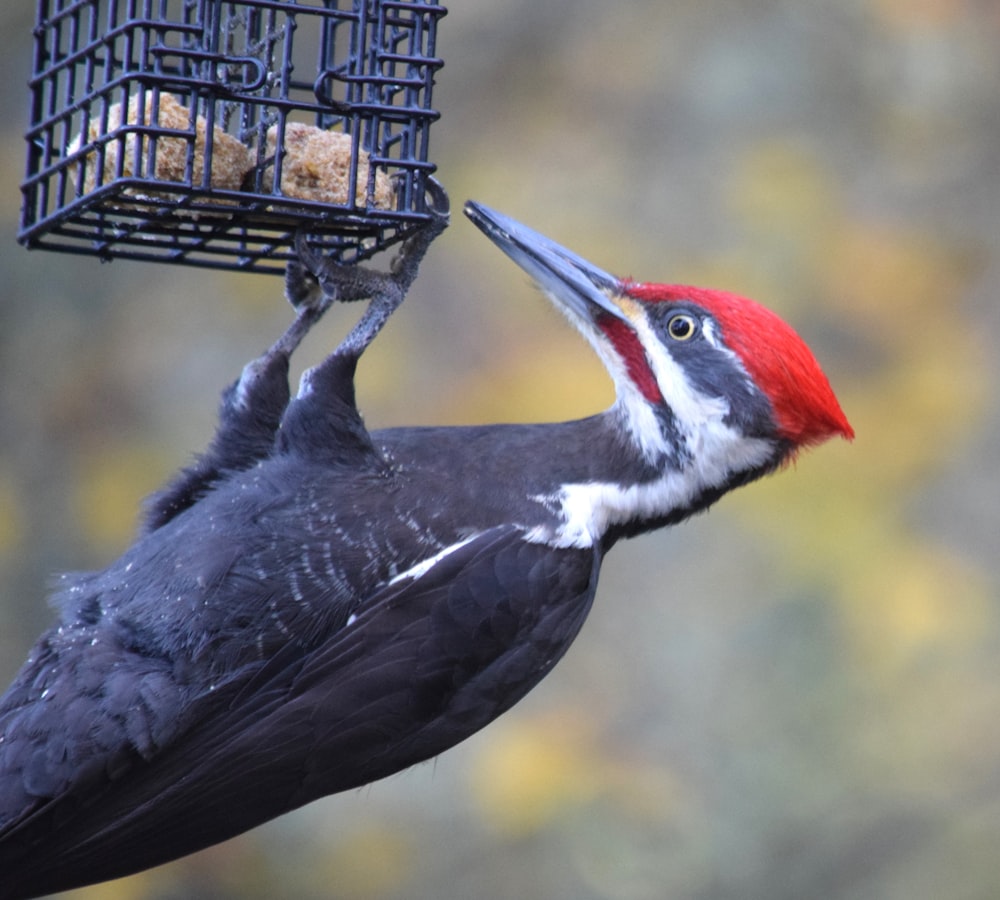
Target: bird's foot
313 282
406 263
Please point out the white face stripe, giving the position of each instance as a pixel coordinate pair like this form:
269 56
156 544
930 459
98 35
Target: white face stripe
641 422
692 409
636 414
712 452
588 510
710 329
712 336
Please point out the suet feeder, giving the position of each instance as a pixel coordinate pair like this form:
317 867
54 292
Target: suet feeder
208 133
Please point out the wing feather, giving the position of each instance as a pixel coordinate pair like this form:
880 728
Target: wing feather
425 662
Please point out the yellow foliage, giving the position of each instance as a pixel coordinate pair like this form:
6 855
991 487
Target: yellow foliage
11 515
533 771
137 887
914 416
910 599
900 286
899 594
371 861
108 489
779 186
899 294
558 377
914 14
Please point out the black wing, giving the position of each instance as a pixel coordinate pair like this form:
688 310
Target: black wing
427 661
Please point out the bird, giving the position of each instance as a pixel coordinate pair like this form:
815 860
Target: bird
312 606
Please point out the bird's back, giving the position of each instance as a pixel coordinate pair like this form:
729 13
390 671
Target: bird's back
266 637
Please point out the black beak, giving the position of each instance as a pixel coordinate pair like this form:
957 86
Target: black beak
569 279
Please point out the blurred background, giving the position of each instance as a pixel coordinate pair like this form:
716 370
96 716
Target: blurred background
795 696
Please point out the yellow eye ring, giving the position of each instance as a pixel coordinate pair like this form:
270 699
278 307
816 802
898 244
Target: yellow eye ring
681 327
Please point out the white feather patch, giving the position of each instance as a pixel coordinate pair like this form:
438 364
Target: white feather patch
636 414
588 510
424 566
693 411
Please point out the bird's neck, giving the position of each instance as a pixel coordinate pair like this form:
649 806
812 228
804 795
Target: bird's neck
632 484
585 482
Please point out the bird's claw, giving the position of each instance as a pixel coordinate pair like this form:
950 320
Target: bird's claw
440 204
404 264
302 285
314 282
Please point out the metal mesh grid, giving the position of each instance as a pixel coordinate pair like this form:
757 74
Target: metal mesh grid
145 112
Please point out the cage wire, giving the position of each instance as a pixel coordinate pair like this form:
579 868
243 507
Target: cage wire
208 133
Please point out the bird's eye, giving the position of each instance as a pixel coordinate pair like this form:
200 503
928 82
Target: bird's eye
681 327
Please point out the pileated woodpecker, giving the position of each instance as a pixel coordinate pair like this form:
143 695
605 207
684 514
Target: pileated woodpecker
312 606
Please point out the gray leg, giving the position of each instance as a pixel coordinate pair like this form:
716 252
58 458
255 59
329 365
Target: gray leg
313 283
322 422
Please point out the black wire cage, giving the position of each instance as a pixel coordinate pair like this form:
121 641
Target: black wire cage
208 133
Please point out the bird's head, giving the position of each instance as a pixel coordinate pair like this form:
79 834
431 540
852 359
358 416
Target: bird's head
703 374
